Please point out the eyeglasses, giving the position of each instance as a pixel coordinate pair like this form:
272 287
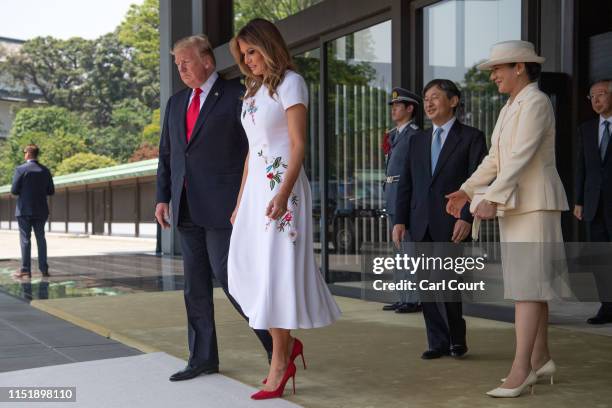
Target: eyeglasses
590 97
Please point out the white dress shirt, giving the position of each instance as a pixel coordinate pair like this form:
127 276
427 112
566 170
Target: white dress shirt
206 87
445 129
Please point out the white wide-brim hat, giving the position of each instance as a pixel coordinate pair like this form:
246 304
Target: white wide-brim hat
507 52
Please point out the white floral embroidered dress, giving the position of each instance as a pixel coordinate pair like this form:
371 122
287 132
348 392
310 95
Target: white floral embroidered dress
272 272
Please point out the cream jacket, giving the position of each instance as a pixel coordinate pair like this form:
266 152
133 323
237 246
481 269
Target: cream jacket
521 160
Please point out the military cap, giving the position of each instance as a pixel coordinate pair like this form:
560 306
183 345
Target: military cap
403 95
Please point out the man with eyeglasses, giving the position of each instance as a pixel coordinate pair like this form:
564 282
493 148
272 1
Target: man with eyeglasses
32 183
594 184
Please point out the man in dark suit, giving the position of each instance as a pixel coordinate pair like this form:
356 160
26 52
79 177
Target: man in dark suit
594 184
397 141
440 159
32 183
201 157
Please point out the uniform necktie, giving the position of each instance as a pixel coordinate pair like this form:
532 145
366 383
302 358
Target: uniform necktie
605 140
193 112
436 147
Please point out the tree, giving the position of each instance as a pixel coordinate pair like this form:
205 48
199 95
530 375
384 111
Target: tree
87 76
47 119
145 151
110 80
481 100
82 162
101 92
123 136
273 10
139 32
152 131
476 80
57 132
54 148
6 163
55 68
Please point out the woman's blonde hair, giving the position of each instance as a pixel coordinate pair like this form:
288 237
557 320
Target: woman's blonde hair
265 37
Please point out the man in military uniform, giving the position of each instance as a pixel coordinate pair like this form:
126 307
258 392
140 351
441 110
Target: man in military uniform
404 105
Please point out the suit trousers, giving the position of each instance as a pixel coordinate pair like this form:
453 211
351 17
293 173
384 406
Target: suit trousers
204 256
399 275
600 230
443 320
26 224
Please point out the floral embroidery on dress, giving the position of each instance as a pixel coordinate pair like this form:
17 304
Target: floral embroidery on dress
286 221
273 169
250 109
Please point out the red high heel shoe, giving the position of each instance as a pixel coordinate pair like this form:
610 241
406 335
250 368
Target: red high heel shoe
298 350
278 392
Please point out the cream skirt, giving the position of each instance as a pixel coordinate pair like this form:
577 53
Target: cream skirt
533 256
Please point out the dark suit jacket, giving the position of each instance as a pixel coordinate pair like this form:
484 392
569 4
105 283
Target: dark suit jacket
593 177
210 165
420 201
32 182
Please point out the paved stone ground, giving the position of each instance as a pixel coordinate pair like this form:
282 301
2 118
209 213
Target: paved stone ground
136 382
32 338
59 245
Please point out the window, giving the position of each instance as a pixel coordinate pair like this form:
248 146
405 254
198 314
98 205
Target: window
359 84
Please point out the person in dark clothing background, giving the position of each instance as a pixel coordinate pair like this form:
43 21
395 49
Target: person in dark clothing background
32 183
594 186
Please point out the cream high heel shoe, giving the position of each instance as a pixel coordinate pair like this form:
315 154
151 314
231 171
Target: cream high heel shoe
530 381
547 370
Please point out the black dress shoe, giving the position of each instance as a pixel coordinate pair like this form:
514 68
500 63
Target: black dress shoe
409 308
431 354
392 306
190 372
45 274
599 319
458 350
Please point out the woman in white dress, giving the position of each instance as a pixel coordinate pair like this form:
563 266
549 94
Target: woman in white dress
520 177
272 271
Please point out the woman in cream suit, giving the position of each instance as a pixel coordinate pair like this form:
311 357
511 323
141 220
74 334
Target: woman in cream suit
520 178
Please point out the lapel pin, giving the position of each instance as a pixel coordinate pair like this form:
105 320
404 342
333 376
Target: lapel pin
216 93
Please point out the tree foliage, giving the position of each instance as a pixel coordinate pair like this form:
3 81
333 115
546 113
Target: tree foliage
123 135
145 151
82 162
57 132
139 33
47 119
476 80
55 68
273 10
152 131
100 94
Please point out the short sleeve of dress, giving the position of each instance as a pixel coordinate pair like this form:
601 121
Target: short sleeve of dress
292 90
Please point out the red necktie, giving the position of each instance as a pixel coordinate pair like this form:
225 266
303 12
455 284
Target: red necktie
193 112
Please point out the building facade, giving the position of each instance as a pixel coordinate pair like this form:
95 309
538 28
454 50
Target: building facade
353 52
